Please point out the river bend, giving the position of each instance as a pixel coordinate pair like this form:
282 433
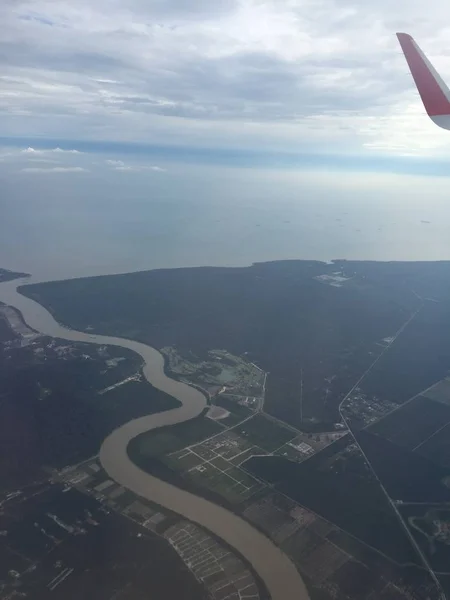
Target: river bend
273 566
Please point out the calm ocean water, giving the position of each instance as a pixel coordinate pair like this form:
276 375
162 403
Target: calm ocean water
90 224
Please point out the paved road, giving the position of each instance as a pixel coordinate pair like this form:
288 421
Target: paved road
273 566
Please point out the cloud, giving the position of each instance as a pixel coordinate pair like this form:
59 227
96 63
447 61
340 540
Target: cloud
61 151
30 151
40 159
119 165
315 75
115 163
46 160
54 170
34 151
98 80
140 168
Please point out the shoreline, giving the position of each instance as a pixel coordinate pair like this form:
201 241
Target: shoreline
326 263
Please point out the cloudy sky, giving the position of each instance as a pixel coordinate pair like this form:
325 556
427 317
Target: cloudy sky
312 77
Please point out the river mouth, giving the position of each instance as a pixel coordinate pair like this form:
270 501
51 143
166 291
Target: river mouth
276 570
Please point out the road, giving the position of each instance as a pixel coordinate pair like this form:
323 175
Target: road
369 464
279 574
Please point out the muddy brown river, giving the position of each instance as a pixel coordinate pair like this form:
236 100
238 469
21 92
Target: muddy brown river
273 566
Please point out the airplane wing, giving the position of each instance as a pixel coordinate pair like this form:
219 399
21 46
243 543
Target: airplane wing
432 89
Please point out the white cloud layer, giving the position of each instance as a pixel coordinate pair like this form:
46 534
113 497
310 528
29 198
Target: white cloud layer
315 75
34 151
119 165
115 163
54 170
139 168
26 159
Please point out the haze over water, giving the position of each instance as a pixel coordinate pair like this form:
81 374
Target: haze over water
77 224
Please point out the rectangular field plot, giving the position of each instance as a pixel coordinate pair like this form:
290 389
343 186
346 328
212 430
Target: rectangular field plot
306 445
234 484
240 458
204 451
224 574
208 466
168 440
413 423
302 544
323 561
228 445
293 453
437 447
183 460
261 431
278 521
439 392
220 463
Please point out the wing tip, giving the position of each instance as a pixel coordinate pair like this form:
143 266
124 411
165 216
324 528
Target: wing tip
432 89
403 37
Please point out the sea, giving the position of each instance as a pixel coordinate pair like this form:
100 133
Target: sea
67 225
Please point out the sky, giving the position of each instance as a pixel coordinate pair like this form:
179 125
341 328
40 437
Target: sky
145 133
266 79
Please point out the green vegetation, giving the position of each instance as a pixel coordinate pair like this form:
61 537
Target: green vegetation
220 463
337 484
157 443
113 558
6 275
414 423
315 341
262 432
6 333
275 315
237 412
182 460
219 476
217 482
218 368
51 411
134 398
205 465
429 524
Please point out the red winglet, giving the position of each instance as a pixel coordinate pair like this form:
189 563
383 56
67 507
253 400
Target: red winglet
432 89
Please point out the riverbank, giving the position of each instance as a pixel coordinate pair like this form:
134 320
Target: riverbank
278 573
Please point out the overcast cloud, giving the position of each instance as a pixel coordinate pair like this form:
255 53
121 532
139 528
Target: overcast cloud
303 75
53 170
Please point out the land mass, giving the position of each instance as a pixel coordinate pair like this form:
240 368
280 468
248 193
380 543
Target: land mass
64 524
315 327
59 400
6 275
345 351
